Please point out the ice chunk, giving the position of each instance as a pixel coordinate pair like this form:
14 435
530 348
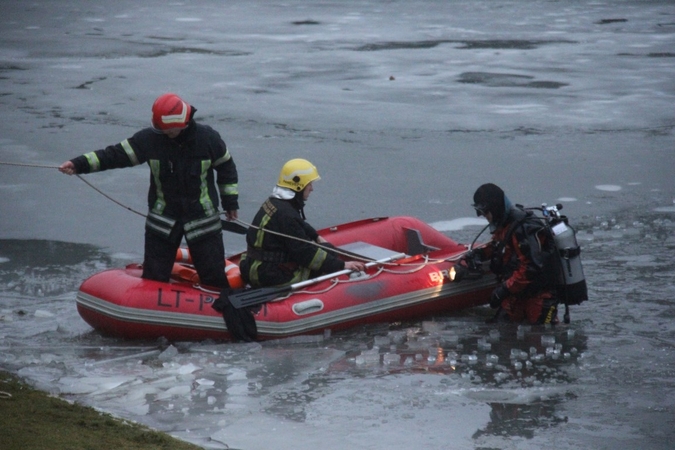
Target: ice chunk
397 337
484 345
368 357
391 358
168 354
176 391
187 369
547 340
608 187
91 385
432 327
381 341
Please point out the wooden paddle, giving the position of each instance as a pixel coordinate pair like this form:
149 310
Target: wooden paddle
233 227
252 297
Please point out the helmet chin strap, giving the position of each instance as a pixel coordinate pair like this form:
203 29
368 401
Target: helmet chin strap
299 202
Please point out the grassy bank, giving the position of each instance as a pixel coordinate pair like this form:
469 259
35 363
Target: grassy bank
33 420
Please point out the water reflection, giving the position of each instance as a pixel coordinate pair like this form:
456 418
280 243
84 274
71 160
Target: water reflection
522 372
520 420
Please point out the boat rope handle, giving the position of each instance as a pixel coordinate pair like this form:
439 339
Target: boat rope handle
407 272
334 283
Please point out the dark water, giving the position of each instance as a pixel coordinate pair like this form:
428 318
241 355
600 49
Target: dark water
405 108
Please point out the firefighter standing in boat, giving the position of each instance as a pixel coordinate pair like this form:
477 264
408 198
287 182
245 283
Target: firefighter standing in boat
184 192
520 254
279 244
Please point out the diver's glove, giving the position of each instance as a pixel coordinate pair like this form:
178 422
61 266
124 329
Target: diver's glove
498 295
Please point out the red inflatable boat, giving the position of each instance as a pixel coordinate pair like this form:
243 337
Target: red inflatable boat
408 279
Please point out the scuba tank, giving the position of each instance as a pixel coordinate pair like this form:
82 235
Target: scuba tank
570 275
570 278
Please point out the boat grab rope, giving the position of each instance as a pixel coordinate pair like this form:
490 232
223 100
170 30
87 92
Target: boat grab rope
199 287
426 262
363 277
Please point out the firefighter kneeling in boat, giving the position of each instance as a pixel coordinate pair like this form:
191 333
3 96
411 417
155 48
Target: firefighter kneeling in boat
521 256
281 243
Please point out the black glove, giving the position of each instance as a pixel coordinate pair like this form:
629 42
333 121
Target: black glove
497 296
478 254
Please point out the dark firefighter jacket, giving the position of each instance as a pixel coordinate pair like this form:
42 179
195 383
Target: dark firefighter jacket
273 260
182 185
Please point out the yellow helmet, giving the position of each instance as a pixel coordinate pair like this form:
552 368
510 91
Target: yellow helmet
296 174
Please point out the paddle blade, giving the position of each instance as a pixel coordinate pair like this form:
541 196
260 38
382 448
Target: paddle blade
239 322
258 296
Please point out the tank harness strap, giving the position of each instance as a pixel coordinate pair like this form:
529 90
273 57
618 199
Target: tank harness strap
569 253
509 233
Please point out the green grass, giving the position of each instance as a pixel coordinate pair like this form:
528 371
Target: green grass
34 420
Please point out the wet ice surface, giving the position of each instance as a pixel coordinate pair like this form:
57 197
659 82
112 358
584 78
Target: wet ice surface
405 107
604 381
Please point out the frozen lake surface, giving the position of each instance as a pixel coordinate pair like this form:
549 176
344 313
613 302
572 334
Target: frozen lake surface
405 108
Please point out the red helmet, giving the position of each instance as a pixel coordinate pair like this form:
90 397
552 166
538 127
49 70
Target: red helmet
170 112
